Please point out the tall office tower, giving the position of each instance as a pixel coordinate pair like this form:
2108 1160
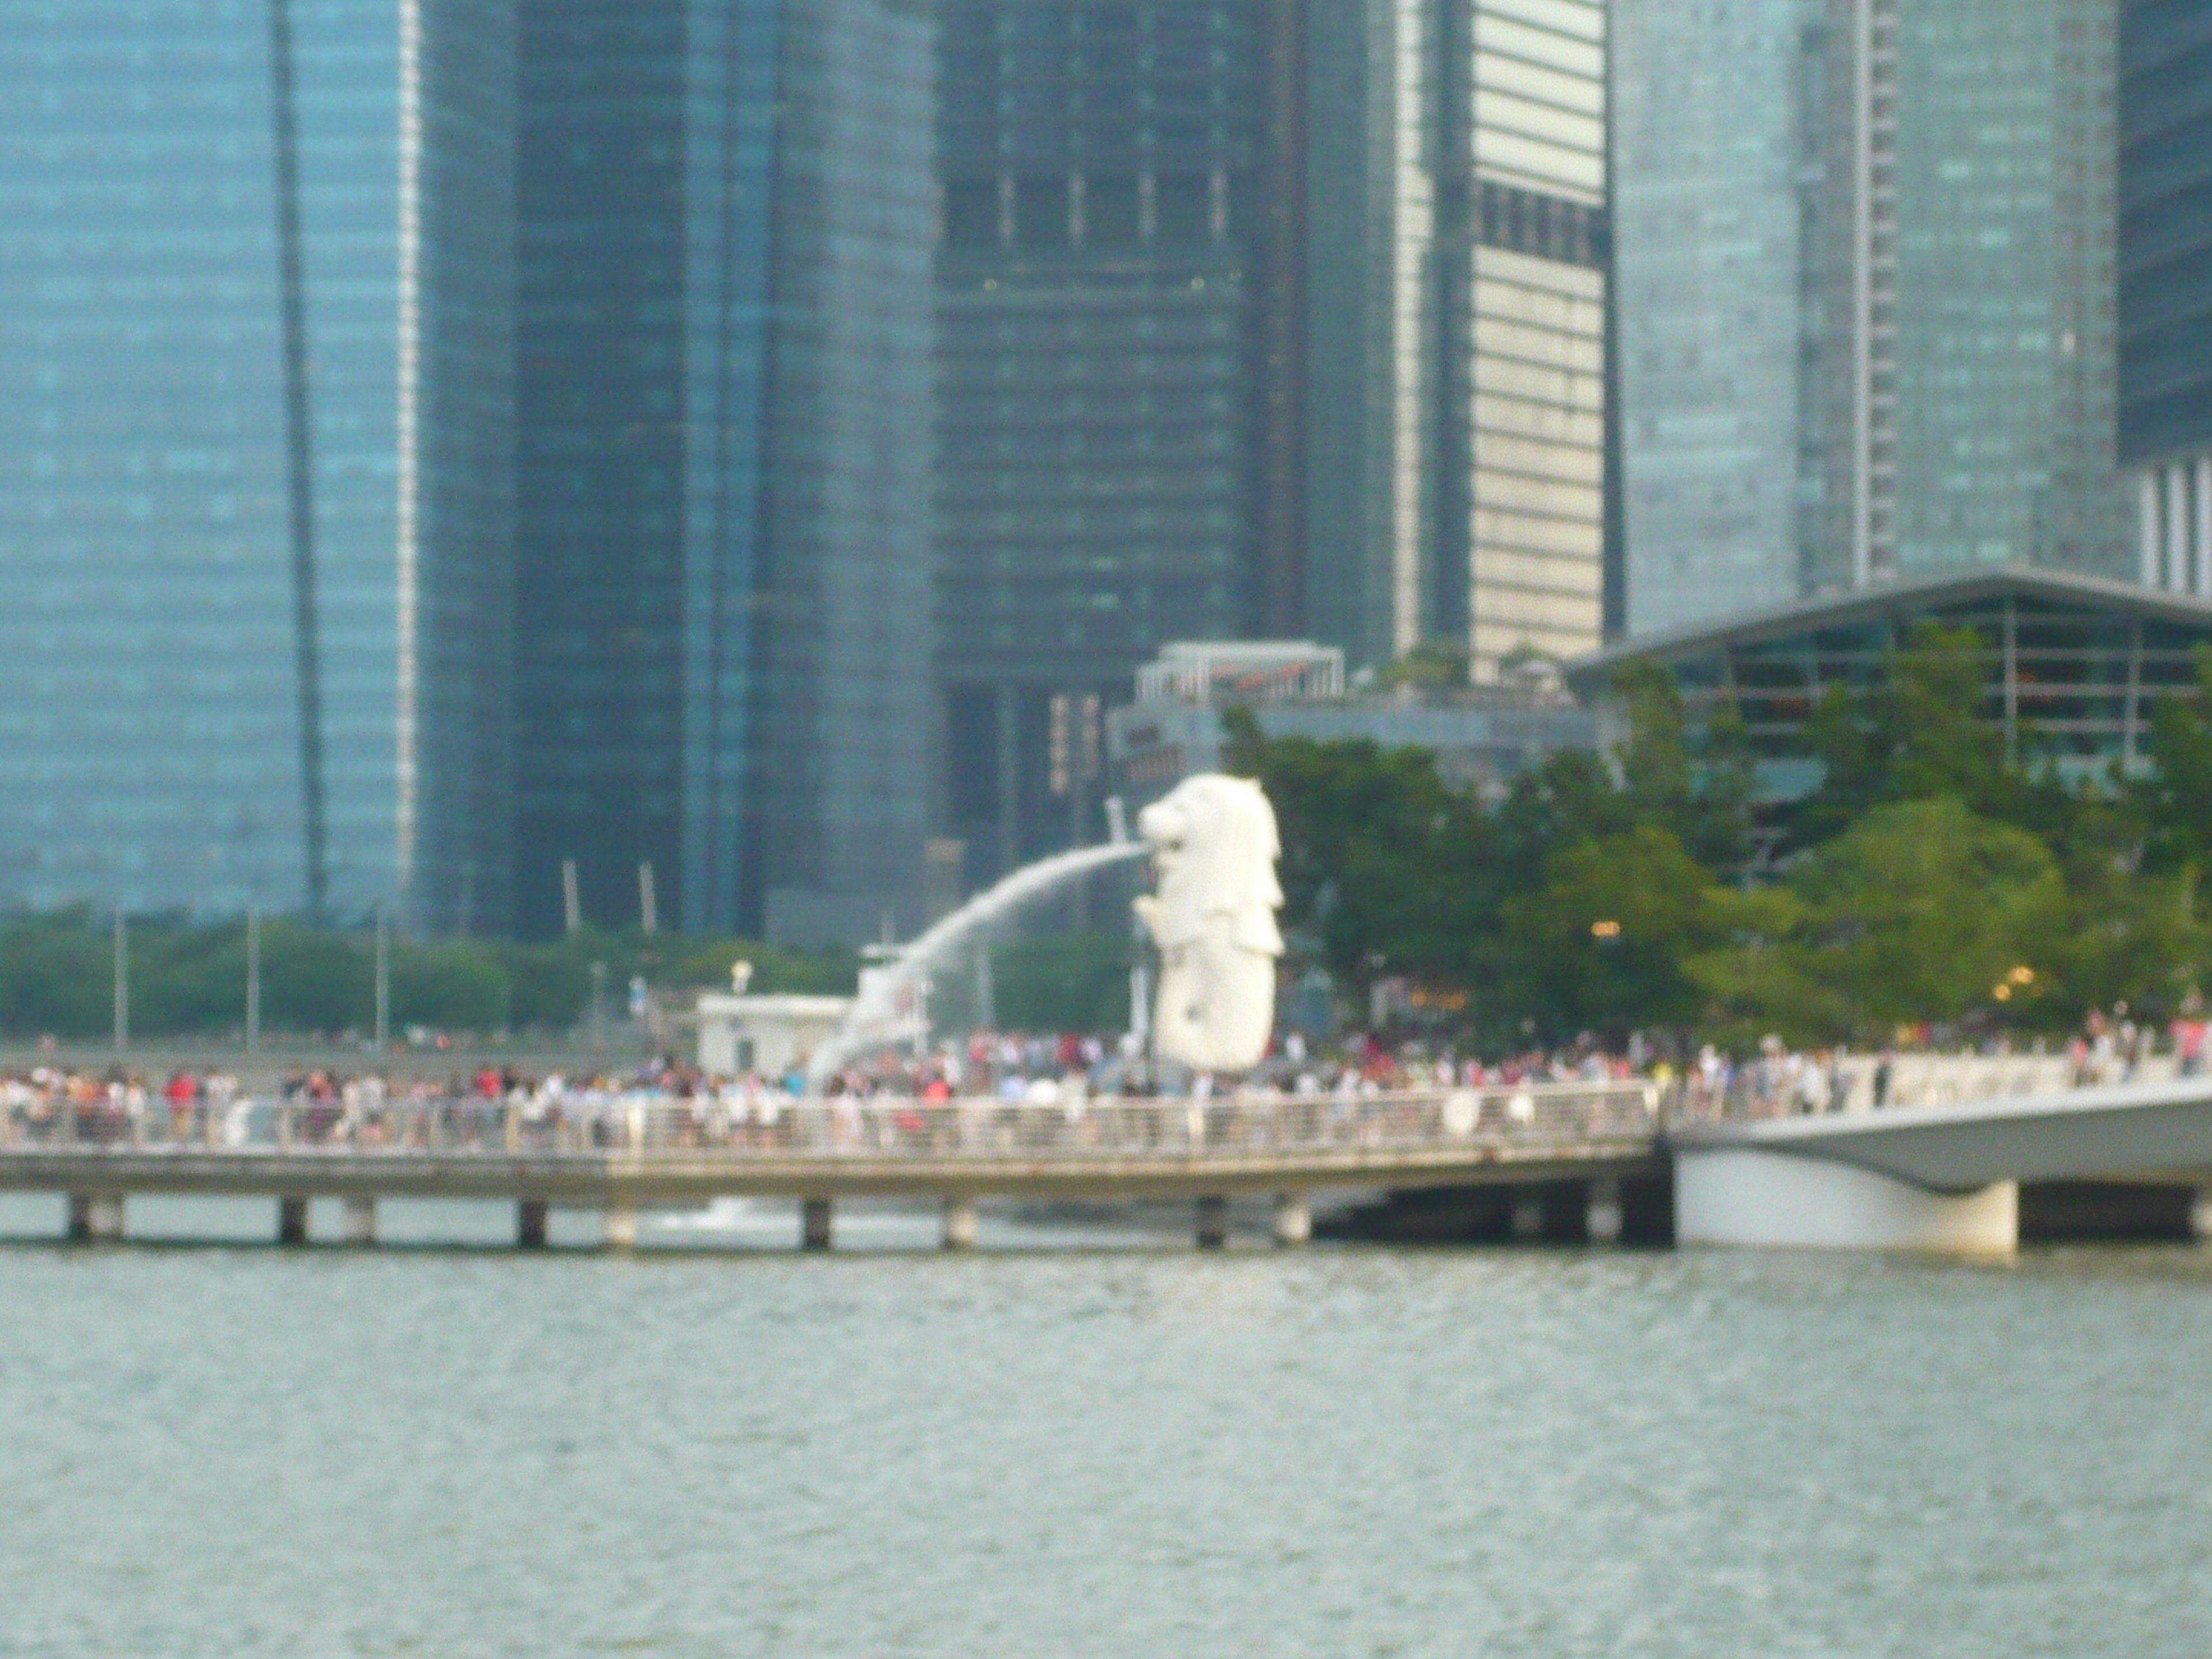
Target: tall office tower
2165 284
1711 188
1949 383
1459 241
1119 322
454 526
722 636
1963 264
224 498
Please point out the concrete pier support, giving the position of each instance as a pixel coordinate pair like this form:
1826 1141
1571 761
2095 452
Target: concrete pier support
530 1223
1213 1221
1293 1219
1528 1218
814 1223
1604 1212
618 1226
359 1221
95 1217
291 1221
1734 1196
960 1222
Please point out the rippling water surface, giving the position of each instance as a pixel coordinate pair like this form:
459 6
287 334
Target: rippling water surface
1100 1451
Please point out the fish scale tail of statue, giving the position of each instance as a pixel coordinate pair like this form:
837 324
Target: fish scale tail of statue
1212 915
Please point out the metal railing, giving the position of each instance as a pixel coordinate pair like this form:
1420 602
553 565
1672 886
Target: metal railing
753 1124
767 1126
1873 1082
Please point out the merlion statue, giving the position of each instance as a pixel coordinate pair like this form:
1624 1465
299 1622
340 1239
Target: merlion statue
1215 848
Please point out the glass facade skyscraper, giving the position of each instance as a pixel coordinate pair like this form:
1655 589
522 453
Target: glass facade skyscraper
154 736
1117 438
1709 145
1460 238
2166 285
1868 296
1968 307
721 644
609 371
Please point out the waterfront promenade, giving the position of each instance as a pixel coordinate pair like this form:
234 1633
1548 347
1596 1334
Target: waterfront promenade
630 1152
1921 1151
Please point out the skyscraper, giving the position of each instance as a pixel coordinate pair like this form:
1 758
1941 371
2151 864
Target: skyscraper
2166 285
1118 434
1948 378
1460 238
221 495
1711 199
458 439
723 629
1967 297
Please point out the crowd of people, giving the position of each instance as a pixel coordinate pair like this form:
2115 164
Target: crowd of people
1066 1071
662 1096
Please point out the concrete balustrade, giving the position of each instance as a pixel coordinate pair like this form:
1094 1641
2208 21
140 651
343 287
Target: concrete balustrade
814 1223
960 1222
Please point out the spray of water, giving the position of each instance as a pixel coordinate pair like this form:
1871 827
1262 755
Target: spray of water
945 942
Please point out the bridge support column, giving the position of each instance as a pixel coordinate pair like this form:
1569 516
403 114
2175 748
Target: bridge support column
1527 1222
618 1226
814 1223
359 1221
530 1223
1736 1196
1293 1219
960 1222
1605 1211
95 1217
1213 1221
291 1221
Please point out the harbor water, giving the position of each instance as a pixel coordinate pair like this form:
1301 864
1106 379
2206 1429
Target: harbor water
1088 1440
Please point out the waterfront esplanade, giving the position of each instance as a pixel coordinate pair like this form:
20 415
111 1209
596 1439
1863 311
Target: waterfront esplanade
2075 665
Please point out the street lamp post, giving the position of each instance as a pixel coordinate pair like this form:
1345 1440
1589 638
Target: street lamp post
122 983
383 979
253 979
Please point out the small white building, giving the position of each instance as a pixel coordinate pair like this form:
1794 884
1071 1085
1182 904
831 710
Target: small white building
765 1034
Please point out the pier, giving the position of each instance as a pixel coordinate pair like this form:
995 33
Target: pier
1937 1163
638 1155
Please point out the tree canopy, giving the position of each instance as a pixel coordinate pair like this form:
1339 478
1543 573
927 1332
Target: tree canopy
1941 870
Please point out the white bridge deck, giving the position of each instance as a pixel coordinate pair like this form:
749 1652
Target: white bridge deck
641 1153
1953 1130
2158 1130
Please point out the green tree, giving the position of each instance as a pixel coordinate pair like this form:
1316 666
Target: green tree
1433 666
1924 731
1602 945
1699 789
2175 802
55 974
1918 911
1385 869
453 985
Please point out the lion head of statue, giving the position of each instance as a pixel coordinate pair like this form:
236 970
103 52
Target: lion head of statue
1214 847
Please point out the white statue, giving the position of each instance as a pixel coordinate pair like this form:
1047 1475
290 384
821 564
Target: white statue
1214 847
